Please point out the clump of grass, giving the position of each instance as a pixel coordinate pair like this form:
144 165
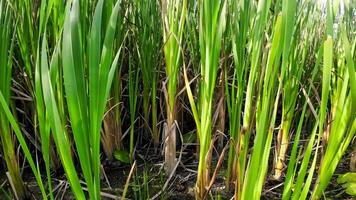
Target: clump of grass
134 72
6 135
211 27
239 25
334 90
292 172
289 80
267 104
86 95
83 106
149 43
173 19
27 37
342 98
244 84
7 119
59 132
111 136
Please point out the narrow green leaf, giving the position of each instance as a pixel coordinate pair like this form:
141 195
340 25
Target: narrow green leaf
122 156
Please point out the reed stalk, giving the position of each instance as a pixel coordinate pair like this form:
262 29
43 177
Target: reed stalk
173 19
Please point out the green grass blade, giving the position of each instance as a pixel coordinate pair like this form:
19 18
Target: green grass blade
23 144
59 134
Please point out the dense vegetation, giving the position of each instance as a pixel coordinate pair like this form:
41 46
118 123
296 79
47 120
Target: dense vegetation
247 97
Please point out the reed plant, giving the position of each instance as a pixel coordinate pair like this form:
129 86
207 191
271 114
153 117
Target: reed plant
173 19
86 96
336 91
19 135
240 19
211 27
9 124
267 104
7 142
133 81
111 135
42 115
289 79
296 184
149 39
261 16
341 126
292 174
241 88
83 106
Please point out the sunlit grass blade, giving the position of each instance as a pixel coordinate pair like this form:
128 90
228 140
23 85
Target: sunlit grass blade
254 51
265 119
292 173
343 122
211 27
289 79
83 106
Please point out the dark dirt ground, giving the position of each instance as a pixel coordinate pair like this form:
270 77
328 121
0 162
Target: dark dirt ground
149 179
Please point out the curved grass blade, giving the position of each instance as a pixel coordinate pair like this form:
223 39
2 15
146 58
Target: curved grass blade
59 133
23 144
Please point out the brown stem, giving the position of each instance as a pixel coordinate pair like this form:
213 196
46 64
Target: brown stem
353 160
111 134
281 150
170 143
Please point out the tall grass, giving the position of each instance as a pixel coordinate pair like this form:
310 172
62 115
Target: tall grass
85 96
44 127
211 24
265 119
7 118
134 72
8 144
211 27
261 16
111 137
149 47
241 89
289 79
342 99
27 38
173 19
240 13
25 148
83 106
